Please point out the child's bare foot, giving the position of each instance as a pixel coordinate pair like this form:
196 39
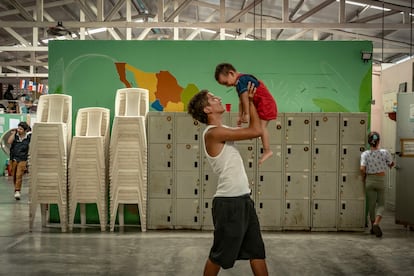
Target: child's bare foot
266 155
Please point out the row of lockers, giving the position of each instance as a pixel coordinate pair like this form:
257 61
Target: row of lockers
290 128
308 185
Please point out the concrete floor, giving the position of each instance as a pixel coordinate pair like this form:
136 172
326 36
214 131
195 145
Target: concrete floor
87 251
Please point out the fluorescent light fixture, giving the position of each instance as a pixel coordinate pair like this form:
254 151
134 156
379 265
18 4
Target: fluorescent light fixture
95 31
404 59
208 31
365 5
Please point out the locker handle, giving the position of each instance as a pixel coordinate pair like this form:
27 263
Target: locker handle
261 178
317 150
206 177
288 205
169 164
169 136
206 205
316 206
168 191
168 218
196 191
288 178
343 206
195 219
196 137
195 164
316 178
261 205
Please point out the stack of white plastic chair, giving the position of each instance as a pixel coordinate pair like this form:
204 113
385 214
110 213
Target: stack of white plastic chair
87 164
128 155
51 138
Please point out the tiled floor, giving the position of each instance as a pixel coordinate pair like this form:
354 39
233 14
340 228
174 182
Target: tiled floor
87 251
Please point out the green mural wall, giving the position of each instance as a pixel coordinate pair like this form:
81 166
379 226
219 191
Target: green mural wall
303 76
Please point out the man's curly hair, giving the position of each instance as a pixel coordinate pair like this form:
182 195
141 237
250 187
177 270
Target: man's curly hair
196 106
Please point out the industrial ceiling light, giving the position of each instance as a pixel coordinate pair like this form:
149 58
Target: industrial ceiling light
366 56
58 30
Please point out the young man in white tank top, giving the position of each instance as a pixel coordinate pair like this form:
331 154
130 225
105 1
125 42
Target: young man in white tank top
236 227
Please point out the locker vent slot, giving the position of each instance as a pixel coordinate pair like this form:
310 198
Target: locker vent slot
288 205
196 191
316 178
343 206
206 205
345 123
288 178
261 205
289 122
169 191
317 151
289 150
169 136
316 206
343 178
168 218
261 178
169 164
195 219
195 164
206 177
196 137
317 122
344 150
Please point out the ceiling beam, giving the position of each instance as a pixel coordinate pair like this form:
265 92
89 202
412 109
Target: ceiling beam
26 15
114 10
316 9
374 17
178 10
244 11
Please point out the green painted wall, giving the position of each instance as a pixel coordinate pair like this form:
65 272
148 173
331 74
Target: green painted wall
303 76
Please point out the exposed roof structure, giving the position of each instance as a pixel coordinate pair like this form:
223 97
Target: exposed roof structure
26 26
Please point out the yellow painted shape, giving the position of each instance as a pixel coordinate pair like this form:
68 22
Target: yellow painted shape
144 80
174 107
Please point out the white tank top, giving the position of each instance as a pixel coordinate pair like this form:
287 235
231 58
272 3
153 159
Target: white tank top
228 165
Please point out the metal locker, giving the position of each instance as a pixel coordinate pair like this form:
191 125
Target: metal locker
269 185
251 177
325 185
207 222
160 213
187 213
160 157
297 185
269 212
324 214
160 184
276 130
188 184
353 127
187 130
160 127
351 186
296 215
350 215
297 158
209 180
248 154
325 158
274 163
187 157
297 128
325 128
351 157
233 123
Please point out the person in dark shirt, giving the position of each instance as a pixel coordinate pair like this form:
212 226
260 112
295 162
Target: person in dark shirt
19 152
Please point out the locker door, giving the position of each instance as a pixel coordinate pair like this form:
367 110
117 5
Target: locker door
324 213
188 213
351 186
297 158
233 123
325 185
276 130
160 127
269 213
274 163
248 154
207 215
210 181
297 186
297 128
351 157
188 184
351 214
160 157
269 185
296 214
353 127
187 130
325 128
187 157
325 158
160 184
160 213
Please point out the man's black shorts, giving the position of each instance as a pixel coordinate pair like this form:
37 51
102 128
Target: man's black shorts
236 231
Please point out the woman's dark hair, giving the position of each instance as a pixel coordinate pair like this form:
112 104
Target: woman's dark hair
24 126
373 138
196 106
